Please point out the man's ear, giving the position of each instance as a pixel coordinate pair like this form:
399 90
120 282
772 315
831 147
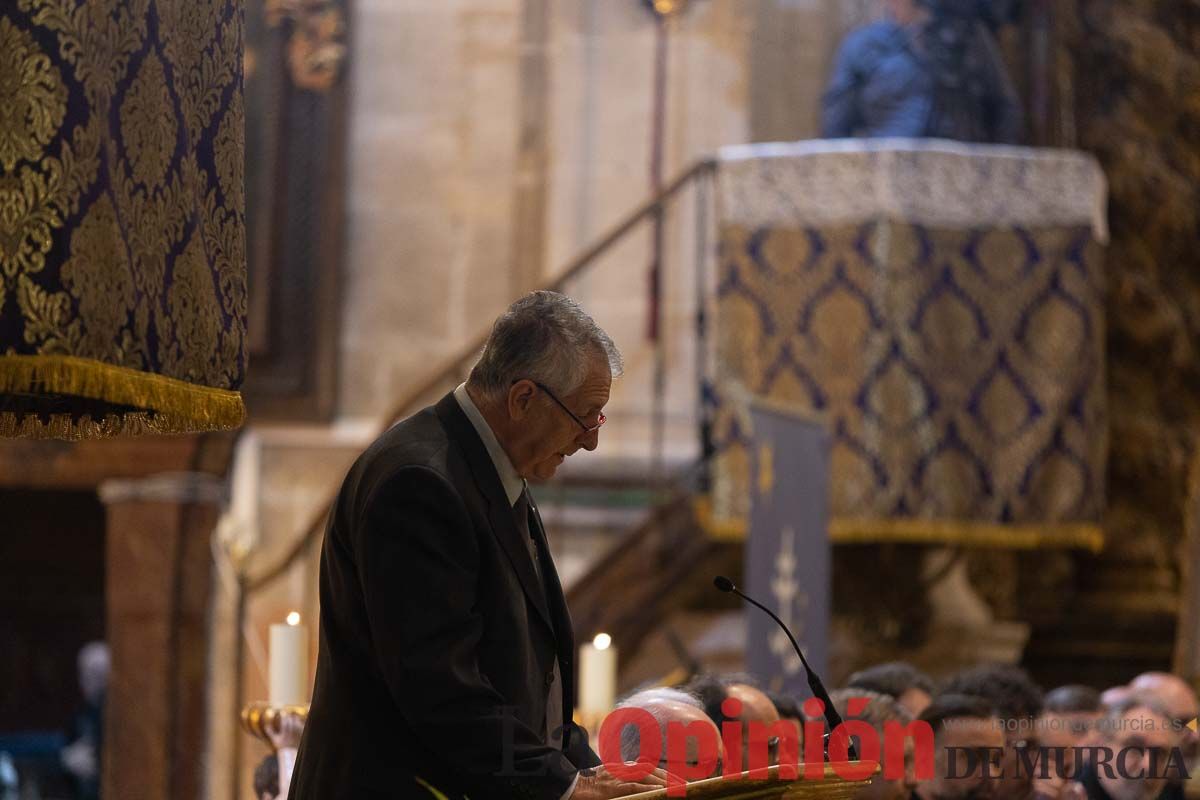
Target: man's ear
520 397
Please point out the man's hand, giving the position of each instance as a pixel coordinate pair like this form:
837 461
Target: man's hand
599 784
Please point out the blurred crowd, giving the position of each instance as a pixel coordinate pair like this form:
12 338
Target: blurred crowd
997 735
53 764
1011 739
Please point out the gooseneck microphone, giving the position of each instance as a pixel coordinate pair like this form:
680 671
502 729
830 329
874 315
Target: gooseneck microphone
814 681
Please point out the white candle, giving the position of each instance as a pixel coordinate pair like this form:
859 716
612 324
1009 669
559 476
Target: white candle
597 676
289 663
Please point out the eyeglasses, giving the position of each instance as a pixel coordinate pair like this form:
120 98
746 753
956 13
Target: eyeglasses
586 428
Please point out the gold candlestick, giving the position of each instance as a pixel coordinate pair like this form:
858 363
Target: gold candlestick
258 718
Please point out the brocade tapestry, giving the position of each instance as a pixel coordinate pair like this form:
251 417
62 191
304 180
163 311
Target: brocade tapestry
941 307
122 236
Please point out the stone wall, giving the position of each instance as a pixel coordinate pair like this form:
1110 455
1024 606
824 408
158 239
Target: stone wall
433 133
492 140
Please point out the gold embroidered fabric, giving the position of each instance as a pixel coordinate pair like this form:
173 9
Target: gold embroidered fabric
960 369
122 233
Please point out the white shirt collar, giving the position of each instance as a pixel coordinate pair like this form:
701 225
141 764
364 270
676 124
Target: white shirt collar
513 483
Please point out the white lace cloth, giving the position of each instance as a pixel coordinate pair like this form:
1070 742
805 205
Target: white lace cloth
931 182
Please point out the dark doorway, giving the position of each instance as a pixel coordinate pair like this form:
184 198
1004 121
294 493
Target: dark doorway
52 555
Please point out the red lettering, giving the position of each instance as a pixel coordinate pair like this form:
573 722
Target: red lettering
868 749
894 734
649 746
814 739
679 765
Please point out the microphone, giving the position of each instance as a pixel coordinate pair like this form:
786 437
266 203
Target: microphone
832 717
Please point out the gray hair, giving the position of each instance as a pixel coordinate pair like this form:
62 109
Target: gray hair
650 701
545 337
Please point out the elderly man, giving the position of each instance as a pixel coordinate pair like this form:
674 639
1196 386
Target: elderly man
1140 736
1175 696
446 663
1178 699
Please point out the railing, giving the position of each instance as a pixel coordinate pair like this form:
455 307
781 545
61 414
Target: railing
451 371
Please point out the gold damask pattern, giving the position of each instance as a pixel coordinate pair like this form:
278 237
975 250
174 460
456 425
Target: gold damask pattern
38 98
122 235
960 371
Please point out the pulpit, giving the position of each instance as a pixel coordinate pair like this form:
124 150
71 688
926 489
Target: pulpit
830 786
941 307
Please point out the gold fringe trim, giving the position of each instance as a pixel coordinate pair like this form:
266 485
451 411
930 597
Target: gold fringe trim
170 405
967 533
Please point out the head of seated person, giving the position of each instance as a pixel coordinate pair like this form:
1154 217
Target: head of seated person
968 739
877 710
1178 699
1068 720
736 700
1018 702
910 687
1138 735
685 734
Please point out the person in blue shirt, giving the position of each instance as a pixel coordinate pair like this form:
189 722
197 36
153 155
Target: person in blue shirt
931 68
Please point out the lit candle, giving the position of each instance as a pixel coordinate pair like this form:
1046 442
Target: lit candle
597 676
289 663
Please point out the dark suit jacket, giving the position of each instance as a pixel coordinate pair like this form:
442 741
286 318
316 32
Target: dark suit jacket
437 639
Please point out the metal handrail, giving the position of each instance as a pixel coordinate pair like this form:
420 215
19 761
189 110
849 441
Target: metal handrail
449 367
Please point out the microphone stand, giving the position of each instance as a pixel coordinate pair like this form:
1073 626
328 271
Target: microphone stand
832 717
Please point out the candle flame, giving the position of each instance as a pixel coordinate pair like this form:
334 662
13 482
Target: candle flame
293 618
602 641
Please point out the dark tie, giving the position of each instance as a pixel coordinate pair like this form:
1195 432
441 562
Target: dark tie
522 511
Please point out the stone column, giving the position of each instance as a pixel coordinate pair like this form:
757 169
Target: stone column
159 589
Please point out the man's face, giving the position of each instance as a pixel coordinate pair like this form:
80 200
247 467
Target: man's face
544 434
956 777
1068 731
1142 741
1177 699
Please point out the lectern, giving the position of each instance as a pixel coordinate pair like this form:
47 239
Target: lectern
830 787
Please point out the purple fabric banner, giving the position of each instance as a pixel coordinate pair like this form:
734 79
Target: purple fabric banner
788 552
